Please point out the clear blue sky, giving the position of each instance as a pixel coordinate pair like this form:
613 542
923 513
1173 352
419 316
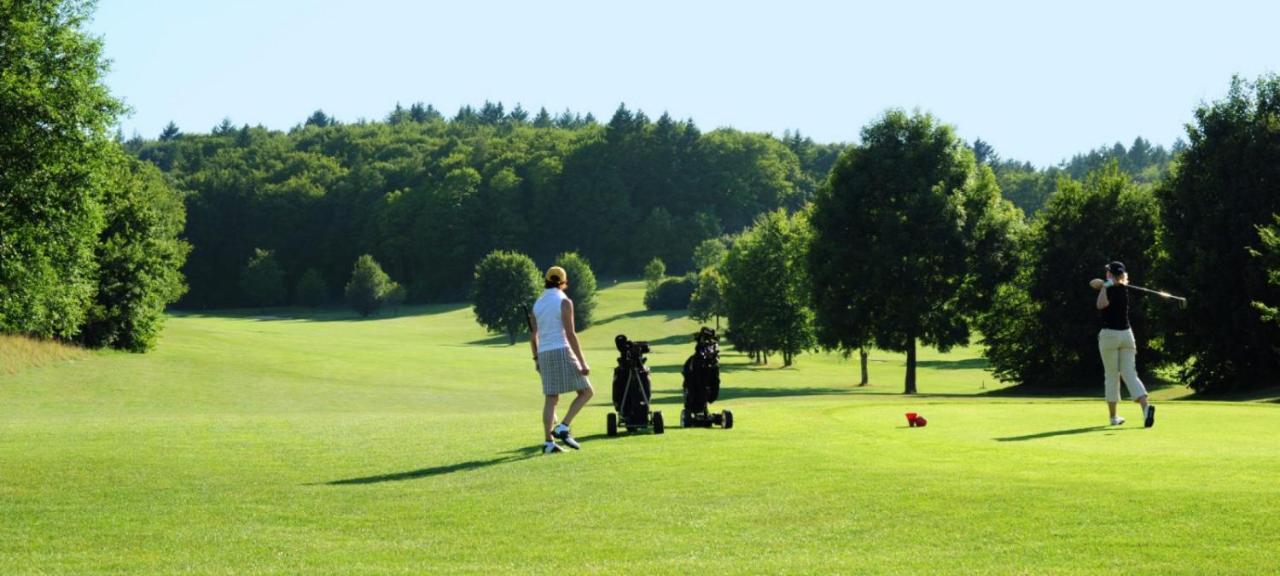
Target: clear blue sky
1039 82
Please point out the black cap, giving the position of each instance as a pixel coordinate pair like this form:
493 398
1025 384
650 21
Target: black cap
1116 268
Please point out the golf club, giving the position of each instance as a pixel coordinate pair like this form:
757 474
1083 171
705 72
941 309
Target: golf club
1160 293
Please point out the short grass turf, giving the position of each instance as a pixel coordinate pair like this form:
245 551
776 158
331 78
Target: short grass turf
280 442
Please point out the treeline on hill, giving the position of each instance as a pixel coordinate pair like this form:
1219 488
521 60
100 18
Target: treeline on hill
1029 187
428 197
89 247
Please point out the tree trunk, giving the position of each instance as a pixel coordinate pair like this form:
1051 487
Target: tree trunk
862 354
512 337
717 324
911 368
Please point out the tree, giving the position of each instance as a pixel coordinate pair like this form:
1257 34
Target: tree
1211 208
262 279
311 290
766 291
170 132
1269 253
505 284
654 271
707 301
709 253
1042 330
139 257
889 257
582 287
368 287
55 149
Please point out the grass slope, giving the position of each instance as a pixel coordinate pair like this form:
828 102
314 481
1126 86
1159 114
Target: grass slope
263 444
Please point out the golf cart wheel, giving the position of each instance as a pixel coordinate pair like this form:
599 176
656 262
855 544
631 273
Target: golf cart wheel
611 424
728 419
657 423
684 418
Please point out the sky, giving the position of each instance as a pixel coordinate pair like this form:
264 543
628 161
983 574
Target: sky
1040 81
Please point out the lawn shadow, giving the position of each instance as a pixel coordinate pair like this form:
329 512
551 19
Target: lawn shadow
964 364
664 314
496 340
327 314
1068 432
729 394
503 458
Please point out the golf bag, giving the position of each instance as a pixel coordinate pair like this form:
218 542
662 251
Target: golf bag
702 384
632 390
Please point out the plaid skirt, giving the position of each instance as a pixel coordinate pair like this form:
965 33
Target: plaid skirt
559 370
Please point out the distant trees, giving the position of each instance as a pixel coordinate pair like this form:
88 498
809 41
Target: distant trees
311 290
1268 252
262 280
1042 329
505 283
582 288
89 243
766 288
428 197
370 288
896 231
1224 189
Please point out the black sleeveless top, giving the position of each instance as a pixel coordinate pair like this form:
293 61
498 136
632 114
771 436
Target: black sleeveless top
1116 315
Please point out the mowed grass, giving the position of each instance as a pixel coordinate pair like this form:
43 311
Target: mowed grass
263 443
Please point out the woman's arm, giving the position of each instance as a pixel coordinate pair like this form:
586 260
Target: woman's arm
571 334
533 339
1102 298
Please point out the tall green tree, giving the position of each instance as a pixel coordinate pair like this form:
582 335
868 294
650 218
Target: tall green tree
766 291
1085 225
890 258
139 255
1269 252
505 284
582 288
55 146
1211 208
707 301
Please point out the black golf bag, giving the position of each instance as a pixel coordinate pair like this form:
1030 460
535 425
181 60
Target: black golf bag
702 384
631 390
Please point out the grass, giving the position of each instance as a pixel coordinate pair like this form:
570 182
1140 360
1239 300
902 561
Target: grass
18 353
281 443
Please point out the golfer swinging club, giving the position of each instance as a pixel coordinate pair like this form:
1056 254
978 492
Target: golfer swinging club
1116 343
558 359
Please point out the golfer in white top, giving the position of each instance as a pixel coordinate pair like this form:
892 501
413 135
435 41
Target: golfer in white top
558 359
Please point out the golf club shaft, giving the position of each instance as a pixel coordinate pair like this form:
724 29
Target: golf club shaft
1158 293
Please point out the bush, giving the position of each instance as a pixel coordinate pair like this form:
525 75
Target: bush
311 290
671 293
366 290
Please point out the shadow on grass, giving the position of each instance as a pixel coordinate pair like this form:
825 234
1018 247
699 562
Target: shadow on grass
664 314
507 457
1068 432
964 364
730 394
331 314
498 340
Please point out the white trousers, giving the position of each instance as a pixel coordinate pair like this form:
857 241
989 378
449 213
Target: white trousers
1119 360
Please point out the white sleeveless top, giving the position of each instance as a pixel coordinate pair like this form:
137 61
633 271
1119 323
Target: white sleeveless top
550 324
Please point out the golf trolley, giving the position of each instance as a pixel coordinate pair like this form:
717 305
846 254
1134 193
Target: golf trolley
631 390
702 384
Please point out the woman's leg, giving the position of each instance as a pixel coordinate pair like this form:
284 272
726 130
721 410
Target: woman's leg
1109 348
549 415
584 396
1129 371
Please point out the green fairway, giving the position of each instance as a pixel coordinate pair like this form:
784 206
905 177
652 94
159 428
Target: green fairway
280 443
